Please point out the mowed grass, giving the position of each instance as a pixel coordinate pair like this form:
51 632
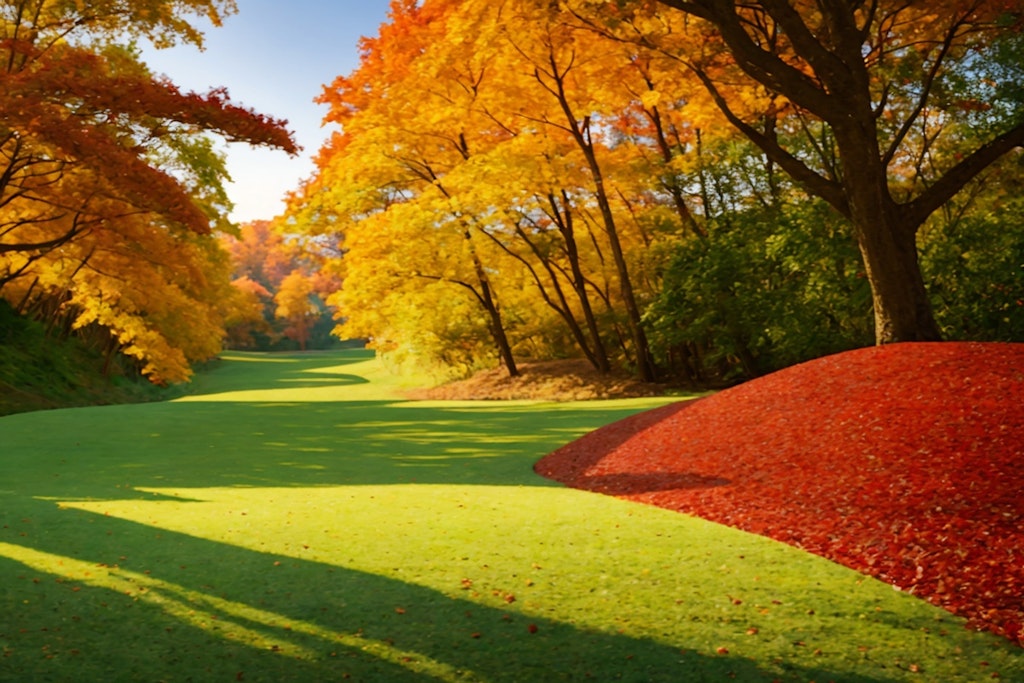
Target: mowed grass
295 520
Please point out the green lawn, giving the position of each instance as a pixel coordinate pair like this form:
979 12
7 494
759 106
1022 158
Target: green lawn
294 520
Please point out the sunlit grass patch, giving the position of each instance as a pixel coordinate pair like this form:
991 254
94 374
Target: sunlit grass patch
389 540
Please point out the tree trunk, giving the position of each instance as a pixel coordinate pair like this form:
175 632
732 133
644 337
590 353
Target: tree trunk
581 133
490 305
901 306
644 360
887 239
561 306
564 220
498 332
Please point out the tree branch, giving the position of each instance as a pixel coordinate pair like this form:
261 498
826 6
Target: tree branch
926 91
954 180
43 246
812 181
762 65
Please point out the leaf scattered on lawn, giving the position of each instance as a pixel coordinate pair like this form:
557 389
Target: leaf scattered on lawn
902 462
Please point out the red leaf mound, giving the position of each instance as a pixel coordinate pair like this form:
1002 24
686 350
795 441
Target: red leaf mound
904 462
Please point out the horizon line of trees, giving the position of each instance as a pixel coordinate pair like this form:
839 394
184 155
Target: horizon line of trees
284 283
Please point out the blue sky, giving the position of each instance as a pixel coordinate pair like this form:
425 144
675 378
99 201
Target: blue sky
275 57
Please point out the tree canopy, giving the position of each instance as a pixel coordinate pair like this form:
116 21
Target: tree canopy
694 189
668 189
883 85
109 179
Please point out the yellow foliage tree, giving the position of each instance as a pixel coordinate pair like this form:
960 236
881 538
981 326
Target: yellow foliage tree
481 149
295 305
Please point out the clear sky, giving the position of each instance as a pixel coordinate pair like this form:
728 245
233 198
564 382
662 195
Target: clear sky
274 57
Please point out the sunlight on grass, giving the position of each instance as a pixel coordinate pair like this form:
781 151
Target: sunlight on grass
295 519
575 558
225 618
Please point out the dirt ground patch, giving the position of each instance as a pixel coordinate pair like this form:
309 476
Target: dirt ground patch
562 380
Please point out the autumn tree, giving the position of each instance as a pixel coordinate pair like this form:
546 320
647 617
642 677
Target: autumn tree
561 67
538 180
468 162
386 162
294 305
261 253
246 318
109 181
873 84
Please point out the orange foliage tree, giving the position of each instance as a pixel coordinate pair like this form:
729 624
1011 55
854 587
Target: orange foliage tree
268 266
109 182
480 158
514 176
295 305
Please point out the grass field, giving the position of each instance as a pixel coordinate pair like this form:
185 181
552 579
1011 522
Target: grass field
294 520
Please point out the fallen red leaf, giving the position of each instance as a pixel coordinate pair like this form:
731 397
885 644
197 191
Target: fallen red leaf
900 461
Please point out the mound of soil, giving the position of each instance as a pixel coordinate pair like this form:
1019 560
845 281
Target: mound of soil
904 462
562 380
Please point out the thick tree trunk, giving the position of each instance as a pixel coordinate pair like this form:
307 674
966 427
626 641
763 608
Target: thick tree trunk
823 62
887 238
901 306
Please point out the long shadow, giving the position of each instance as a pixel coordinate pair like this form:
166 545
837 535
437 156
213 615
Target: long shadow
110 453
245 371
184 608
87 597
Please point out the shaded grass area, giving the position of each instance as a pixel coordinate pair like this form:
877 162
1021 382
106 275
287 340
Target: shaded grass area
40 371
294 520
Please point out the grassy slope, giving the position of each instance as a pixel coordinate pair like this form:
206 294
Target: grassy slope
292 520
39 372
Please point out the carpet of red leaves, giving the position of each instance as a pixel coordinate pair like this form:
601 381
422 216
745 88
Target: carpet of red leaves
904 462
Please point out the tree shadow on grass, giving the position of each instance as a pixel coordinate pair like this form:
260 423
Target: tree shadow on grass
143 603
133 602
109 453
247 371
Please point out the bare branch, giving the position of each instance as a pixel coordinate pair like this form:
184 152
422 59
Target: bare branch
926 91
763 65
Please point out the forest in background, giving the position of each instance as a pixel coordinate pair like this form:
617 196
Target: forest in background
525 181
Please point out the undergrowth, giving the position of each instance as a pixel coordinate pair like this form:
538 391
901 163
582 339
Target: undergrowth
40 371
